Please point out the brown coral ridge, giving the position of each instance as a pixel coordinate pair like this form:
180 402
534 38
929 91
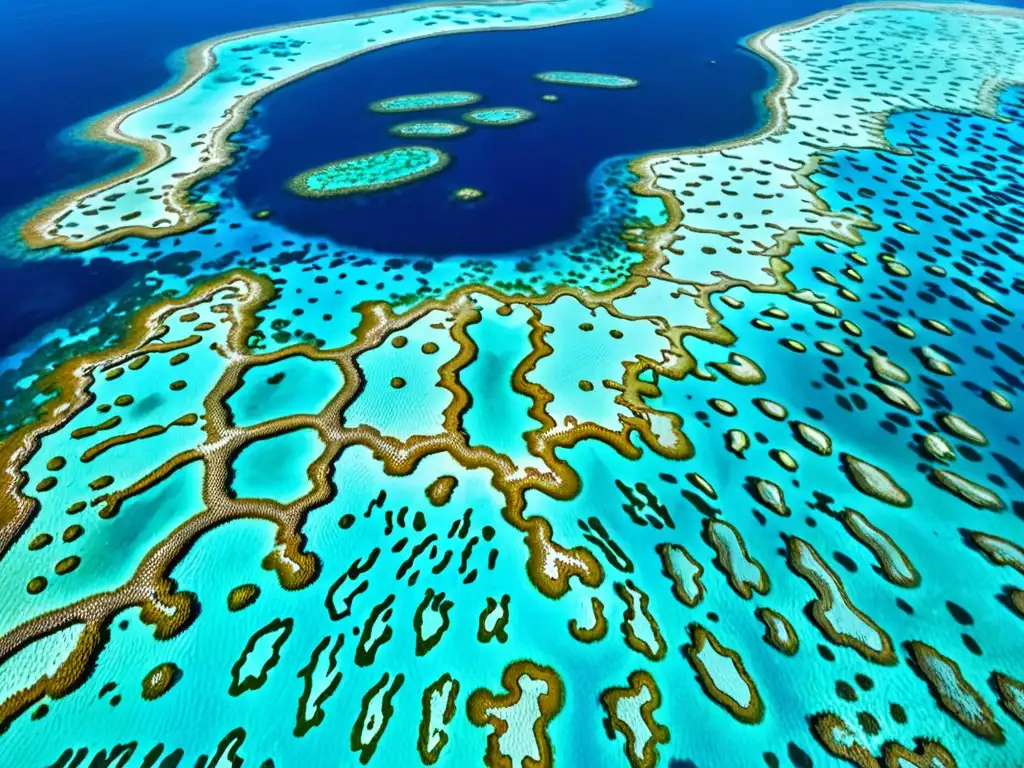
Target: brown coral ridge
996 549
500 630
440 491
68 677
926 754
160 680
387 693
638 608
151 588
561 482
550 704
72 379
750 714
378 320
952 692
594 633
242 596
725 558
893 563
283 629
785 641
841 740
1011 694
610 697
303 724
664 551
818 609
402 458
429 755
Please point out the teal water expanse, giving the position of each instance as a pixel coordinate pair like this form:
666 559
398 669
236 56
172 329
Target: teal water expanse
728 477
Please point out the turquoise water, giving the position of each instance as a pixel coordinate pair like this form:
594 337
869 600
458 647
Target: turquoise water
306 384
276 468
589 79
428 129
498 116
418 101
364 174
494 471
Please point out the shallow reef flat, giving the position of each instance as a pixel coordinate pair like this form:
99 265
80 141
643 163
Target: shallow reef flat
743 453
369 173
428 129
498 116
419 101
587 79
183 132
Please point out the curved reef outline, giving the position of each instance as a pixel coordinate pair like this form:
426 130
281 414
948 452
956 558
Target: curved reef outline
401 457
43 229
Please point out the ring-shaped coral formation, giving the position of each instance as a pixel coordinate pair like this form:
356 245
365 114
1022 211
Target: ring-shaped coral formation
370 172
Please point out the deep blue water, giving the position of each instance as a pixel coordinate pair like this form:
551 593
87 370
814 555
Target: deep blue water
106 53
97 56
534 174
34 293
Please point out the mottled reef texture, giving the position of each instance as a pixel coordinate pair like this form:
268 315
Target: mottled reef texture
581 505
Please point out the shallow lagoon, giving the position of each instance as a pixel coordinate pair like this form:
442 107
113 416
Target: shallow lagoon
392 546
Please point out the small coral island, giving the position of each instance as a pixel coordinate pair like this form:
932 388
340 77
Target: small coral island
369 173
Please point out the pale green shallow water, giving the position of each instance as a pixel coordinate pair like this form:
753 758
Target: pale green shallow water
590 79
418 101
370 172
428 129
498 116
952 202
